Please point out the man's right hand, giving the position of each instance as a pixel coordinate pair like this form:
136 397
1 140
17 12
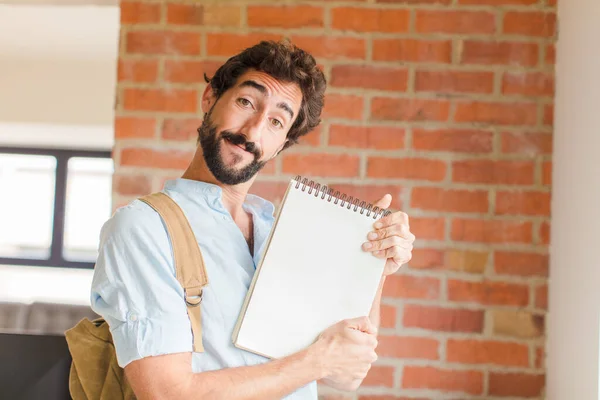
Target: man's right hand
346 351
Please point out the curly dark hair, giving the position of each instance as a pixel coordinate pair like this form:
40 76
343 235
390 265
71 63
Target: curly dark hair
284 62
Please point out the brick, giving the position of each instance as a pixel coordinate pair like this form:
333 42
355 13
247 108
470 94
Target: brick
163 159
163 42
222 16
547 173
449 200
530 23
418 377
370 19
499 53
521 263
491 231
527 143
516 384
496 113
134 127
367 137
343 106
380 375
540 357
498 2
426 259
383 108
142 71
333 47
285 16
523 203
528 83
550 57
454 81
412 287
130 185
548 114
544 233
488 292
180 128
407 347
428 228
455 140
316 164
228 44
168 100
372 193
519 324
272 191
453 21
443 319
368 77
468 261
445 2
406 168
313 138
502 172
412 50
388 316
182 71
185 14
133 12
487 352
541 297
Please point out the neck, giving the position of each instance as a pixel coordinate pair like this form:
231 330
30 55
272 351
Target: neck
233 195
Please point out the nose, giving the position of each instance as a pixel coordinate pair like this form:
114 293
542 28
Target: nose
253 127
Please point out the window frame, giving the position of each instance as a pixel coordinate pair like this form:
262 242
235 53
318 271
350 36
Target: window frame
62 157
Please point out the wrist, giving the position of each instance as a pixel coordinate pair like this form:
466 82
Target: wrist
313 357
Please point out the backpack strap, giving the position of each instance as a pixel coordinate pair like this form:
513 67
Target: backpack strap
189 264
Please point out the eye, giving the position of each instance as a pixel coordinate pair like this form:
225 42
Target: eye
276 123
245 102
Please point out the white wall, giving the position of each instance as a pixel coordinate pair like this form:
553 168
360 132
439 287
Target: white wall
574 287
58 67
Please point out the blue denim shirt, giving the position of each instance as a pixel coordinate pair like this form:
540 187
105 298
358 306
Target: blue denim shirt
136 290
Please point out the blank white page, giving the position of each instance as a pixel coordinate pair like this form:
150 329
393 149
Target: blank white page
312 275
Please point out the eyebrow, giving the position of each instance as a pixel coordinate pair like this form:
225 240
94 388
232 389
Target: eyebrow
263 90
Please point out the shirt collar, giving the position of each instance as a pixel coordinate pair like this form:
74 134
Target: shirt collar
212 194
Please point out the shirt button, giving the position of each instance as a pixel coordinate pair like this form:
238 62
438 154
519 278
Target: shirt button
133 317
225 218
214 190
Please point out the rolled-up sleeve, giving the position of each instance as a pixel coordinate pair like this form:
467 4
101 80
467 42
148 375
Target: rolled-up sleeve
135 288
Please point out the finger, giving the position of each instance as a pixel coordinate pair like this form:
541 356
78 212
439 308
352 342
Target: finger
398 254
398 217
362 324
384 244
401 230
384 202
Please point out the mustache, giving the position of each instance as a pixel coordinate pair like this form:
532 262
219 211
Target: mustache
240 140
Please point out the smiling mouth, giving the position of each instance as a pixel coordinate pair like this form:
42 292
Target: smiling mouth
237 145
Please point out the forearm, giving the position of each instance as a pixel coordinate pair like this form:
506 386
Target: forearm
375 314
272 380
170 377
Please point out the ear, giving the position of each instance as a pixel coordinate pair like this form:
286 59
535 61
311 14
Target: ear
208 98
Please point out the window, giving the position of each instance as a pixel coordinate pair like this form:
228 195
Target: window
52 205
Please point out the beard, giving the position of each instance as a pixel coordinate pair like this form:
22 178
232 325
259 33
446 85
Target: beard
211 144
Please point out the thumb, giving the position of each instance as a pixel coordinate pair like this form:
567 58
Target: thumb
362 324
384 202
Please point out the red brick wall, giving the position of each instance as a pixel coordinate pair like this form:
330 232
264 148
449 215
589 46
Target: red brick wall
447 104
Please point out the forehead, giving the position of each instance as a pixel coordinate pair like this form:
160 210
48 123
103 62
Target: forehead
276 89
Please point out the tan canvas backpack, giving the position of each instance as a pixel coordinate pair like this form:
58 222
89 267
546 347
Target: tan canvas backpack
95 374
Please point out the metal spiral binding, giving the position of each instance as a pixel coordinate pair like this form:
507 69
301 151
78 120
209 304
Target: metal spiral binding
338 197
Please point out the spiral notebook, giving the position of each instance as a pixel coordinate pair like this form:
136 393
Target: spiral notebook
313 272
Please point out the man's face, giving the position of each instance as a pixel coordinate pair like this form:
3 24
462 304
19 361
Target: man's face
247 125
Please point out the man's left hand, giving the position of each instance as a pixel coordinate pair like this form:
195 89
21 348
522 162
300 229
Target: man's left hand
391 238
